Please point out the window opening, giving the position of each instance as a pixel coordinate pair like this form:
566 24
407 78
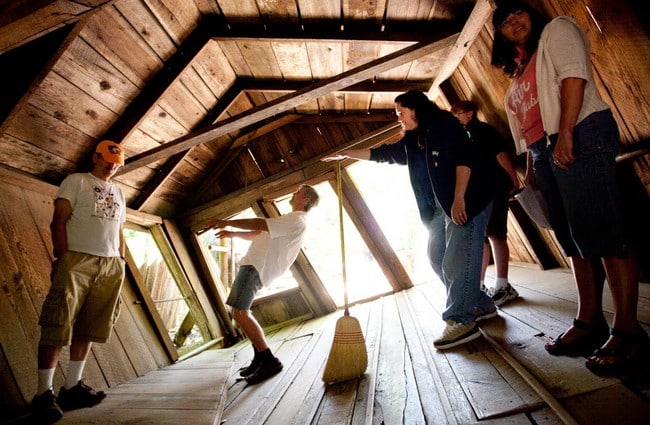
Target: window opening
323 249
226 254
170 302
386 188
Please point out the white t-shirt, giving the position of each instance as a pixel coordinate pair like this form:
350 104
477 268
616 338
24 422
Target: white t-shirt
98 210
273 252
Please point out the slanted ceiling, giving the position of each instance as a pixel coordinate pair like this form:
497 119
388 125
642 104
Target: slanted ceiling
210 96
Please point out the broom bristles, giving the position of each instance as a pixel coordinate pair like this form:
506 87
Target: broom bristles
348 357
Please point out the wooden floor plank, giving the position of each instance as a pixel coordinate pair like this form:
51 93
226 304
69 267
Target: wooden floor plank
395 396
407 381
191 392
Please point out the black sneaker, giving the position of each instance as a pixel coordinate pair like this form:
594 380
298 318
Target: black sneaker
265 370
81 395
45 408
248 370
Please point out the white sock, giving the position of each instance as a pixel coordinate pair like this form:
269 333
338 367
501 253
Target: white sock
501 282
75 369
45 379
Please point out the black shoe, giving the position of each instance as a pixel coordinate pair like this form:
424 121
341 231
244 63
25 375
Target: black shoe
45 408
81 395
250 369
265 370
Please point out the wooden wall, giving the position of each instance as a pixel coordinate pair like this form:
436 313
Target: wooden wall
26 253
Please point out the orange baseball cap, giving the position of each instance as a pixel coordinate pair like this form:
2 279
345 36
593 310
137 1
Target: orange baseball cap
111 152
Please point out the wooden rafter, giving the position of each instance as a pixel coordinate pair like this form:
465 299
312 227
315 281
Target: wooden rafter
287 102
309 171
477 19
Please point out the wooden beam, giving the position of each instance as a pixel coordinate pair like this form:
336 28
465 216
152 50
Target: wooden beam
395 32
24 21
287 102
477 19
374 86
239 200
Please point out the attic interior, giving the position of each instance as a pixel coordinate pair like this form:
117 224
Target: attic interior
224 108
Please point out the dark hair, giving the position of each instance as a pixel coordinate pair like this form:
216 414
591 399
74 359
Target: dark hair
503 51
464 106
425 109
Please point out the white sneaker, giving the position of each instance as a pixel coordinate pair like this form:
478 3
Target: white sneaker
500 296
456 334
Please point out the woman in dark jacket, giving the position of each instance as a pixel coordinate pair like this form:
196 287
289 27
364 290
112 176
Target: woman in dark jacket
454 203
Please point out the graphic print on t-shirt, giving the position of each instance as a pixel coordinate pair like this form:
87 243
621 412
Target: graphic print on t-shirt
105 203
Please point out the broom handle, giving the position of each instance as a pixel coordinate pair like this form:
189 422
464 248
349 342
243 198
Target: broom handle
343 269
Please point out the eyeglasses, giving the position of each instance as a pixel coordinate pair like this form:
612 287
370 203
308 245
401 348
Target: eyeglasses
511 19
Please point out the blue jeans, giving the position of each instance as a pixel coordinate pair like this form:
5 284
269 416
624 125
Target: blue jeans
456 254
246 284
584 201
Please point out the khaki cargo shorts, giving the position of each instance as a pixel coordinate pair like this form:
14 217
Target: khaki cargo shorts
83 301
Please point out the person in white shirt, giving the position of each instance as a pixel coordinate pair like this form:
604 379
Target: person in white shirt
81 305
275 245
556 114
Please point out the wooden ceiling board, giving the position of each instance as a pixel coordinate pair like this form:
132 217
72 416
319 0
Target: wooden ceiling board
427 66
240 11
334 101
385 101
364 10
357 54
309 107
260 58
278 11
71 105
33 126
268 155
182 104
140 17
137 141
409 10
241 172
293 60
91 72
214 69
195 84
399 73
161 126
114 38
34 160
357 102
326 59
179 18
311 10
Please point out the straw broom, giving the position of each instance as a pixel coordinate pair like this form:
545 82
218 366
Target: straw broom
348 357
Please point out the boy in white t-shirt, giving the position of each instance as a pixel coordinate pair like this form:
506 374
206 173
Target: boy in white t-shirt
275 245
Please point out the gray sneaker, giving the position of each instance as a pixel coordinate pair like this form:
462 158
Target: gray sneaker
503 295
456 334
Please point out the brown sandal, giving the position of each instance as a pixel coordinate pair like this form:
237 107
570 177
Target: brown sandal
596 336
